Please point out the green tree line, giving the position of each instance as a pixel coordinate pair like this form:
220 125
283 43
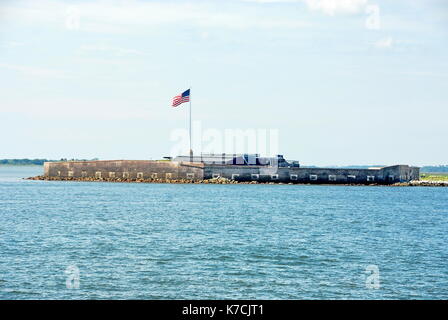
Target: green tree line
38 162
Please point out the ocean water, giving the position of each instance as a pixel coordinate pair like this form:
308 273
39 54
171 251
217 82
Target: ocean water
78 240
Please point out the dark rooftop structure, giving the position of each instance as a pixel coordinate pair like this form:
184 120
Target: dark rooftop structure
239 159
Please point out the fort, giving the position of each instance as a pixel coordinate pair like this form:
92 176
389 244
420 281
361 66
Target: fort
235 167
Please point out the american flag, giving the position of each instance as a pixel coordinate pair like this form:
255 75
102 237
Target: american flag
184 97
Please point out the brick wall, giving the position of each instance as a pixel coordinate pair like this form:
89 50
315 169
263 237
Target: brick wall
146 169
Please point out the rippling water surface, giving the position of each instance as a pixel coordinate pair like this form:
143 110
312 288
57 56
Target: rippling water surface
161 241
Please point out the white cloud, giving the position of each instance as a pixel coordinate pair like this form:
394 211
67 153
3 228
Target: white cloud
132 16
97 109
36 71
12 44
116 51
272 1
329 7
384 43
332 7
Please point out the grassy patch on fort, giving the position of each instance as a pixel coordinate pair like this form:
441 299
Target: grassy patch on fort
436 176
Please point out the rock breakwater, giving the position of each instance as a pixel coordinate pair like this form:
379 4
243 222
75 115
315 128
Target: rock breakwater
414 183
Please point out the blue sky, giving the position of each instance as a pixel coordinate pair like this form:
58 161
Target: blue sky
342 81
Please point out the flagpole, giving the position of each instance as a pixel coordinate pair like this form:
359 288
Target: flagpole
191 150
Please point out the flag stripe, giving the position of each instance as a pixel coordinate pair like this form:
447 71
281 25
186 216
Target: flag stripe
182 98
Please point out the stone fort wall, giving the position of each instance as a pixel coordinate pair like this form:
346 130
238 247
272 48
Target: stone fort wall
148 169
385 175
124 169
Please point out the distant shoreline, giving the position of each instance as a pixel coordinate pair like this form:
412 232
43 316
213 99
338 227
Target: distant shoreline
20 165
33 162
